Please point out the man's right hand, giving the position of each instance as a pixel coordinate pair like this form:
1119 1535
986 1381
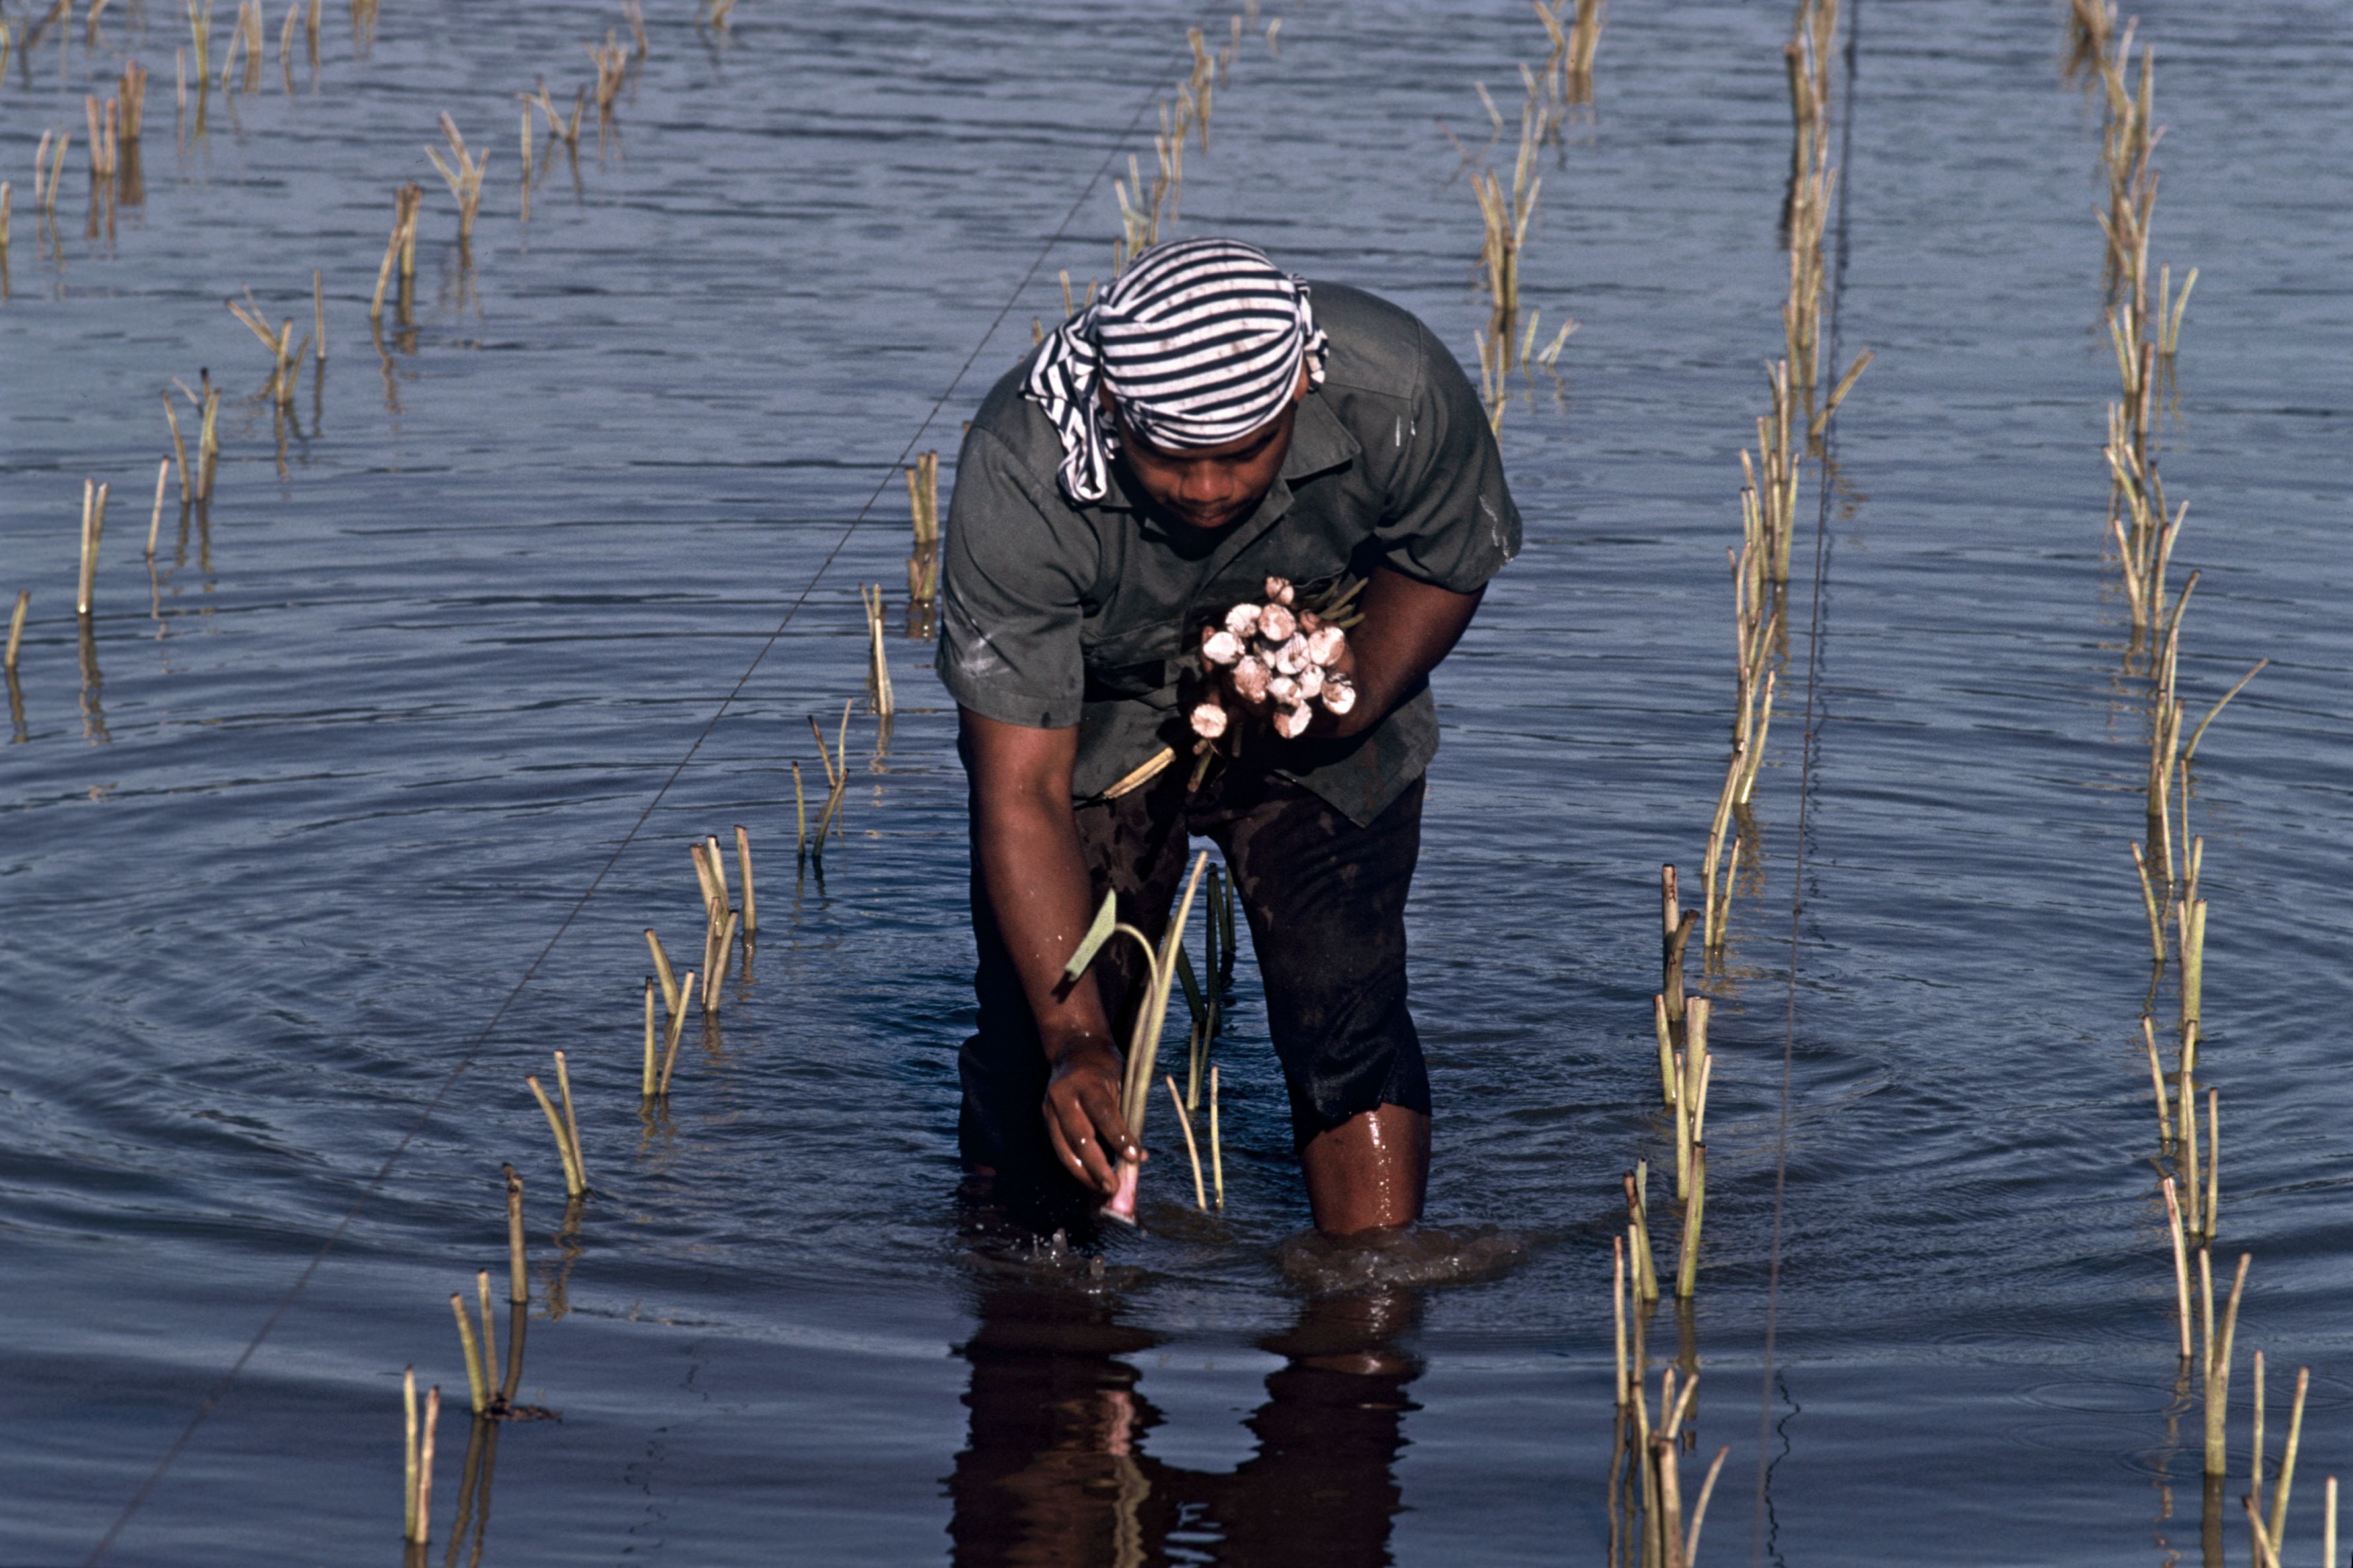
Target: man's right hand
1026 842
1083 1116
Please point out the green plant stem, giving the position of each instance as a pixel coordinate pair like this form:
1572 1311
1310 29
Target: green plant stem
572 1182
475 1380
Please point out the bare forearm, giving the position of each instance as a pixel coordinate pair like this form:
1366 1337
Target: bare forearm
1038 892
1409 627
1036 878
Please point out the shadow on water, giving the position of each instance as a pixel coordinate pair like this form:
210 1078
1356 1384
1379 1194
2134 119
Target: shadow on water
1055 1467
468 1533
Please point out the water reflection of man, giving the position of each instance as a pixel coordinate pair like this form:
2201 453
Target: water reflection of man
1164 452
1054 1469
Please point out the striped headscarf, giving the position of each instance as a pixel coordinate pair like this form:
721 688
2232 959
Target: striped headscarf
1200 342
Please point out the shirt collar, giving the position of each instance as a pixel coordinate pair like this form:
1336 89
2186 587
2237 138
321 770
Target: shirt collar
1319 442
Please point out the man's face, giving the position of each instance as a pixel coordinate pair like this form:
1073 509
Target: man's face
1210 487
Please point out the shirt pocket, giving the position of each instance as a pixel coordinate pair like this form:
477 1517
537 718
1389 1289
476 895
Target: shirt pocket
1133 665
1308 560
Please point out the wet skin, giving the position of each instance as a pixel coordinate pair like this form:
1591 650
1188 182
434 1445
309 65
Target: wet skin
1366 1173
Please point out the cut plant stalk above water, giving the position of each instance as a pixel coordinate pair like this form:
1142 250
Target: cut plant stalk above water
1143 1043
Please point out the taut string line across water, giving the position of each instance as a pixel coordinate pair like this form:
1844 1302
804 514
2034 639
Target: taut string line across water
1807 744
474 1047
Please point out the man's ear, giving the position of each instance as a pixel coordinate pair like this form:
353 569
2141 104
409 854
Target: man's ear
1299 393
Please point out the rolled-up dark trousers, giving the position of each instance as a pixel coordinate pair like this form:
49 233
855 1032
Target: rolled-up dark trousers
1325 898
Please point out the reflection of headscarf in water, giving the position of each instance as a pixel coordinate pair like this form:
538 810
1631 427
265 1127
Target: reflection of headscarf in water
1200 341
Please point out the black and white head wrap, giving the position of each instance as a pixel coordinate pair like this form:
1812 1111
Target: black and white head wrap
1199 341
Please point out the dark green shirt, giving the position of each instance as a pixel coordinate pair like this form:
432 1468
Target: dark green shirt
1053 614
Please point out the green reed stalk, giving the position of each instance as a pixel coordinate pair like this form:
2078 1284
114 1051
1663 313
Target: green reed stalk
2185 1161
1204 997
2218 1371
93 526
676 1033
718 865
837 778
208 442
572 1184
1648 1483
200 37
714 898
2205 1308
490 1333
2213 1159
2157 1082
2193 963
800 815
877 666
1712 936
1691 1096
408 1454
744 864
1196 1045
1637 1191
2255 1438
2198 733
518 1326
477 1380
923 503
1670 912
1687 1268
2169 319
1617 1309
713 956
1226 956
1699 1508
717 975
1192 1149
2288 1460
391 259
841 767
155 517
1665 1030
1667 1466
571 1122
662 970
518 1281
2265 1554
425 1464
179 449
1671 986
1217 1150
463 174
1145 1048
646 1088
2181 1264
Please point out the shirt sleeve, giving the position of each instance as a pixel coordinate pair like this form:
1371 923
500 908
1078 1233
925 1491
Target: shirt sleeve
1011 586
1449 521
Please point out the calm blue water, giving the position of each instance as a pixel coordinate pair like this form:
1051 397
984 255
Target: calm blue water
355 752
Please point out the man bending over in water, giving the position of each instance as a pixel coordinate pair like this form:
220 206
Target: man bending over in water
1198 430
